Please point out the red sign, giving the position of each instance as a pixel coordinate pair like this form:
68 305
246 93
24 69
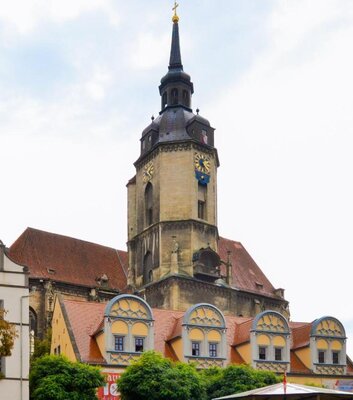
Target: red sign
110 390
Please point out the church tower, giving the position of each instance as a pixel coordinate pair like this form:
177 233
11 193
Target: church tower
176 257
172 200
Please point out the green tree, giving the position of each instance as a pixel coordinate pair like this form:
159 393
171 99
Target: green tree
8 335
41 346
152 377
235 379
57 378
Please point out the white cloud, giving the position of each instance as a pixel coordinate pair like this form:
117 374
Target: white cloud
284 135
149 50
24 16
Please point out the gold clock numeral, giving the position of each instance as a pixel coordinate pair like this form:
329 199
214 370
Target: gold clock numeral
202 163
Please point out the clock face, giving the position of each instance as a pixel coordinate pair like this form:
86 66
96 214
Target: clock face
148 172
202 163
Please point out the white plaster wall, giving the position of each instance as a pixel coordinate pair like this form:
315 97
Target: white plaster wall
12 289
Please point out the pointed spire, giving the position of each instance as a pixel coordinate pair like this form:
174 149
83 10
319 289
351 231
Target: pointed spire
175 55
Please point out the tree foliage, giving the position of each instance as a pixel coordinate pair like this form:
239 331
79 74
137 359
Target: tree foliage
235 379
57 378
41 346
8 335
153 377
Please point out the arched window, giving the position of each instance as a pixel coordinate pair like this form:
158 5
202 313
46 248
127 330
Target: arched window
186 98
149 204
174 96
201 202
147 267
164 100
270 341
128 324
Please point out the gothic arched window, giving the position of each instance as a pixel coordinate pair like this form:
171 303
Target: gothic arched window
149 204
201 203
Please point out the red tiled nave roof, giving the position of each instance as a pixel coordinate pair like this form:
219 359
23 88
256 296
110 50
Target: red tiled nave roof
65 259
246 274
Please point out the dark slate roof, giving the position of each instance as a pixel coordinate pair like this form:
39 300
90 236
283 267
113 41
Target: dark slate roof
65 259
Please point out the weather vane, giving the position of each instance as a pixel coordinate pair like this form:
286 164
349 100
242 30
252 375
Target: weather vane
175 16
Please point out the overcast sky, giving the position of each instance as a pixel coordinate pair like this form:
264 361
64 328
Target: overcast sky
79 82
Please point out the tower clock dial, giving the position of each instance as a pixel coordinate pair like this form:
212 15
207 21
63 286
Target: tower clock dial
202 163
148 172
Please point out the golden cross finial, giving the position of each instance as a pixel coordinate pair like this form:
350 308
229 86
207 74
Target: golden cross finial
175 16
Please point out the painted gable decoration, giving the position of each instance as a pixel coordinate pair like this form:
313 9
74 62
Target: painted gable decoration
270 322
206 315
328 326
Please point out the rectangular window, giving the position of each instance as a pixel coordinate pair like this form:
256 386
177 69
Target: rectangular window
119 343
335 357
278 354
139 344
212 349
321 357
201 209
262 353
195 348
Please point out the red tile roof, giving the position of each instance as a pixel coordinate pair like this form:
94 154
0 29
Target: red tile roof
167 325
242 332
83 318
246 274
65 259
300 334
296 365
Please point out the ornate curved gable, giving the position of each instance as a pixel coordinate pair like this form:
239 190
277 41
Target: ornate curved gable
270 321
328 326
204 315
129 307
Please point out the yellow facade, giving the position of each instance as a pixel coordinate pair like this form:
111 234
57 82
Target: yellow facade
61 342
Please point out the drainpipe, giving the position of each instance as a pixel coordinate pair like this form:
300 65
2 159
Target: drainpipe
21 345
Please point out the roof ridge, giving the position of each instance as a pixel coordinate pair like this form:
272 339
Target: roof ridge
68 237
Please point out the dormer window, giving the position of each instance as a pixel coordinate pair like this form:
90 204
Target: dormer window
128 324
119 343
213 349
328 346
139 342
204 335
270 341
262 353
335 357
321 356
195 349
